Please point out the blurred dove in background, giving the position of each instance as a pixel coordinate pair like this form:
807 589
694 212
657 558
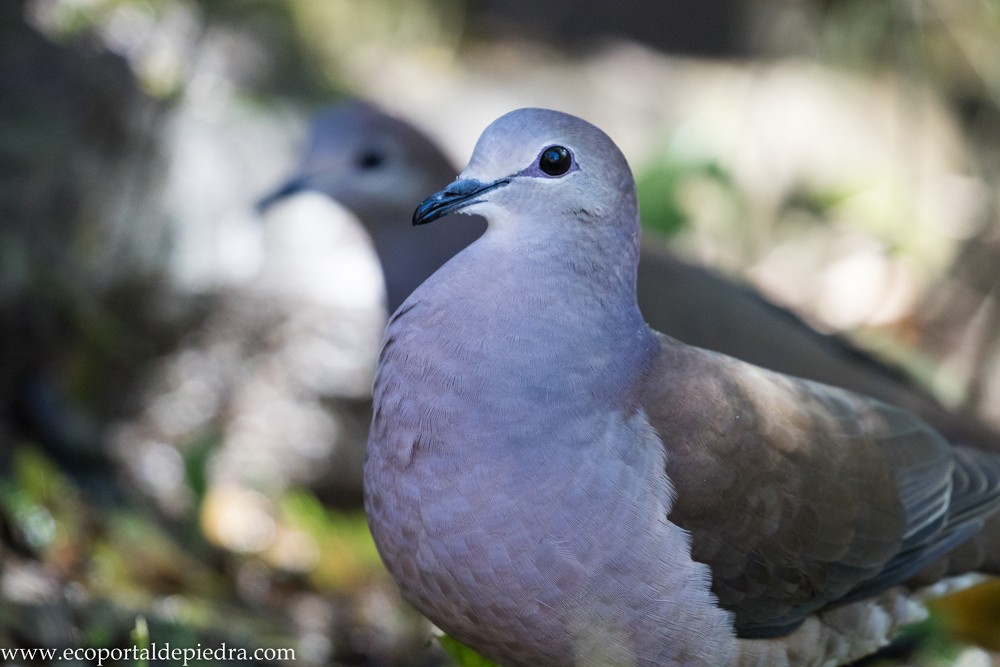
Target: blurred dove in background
378 167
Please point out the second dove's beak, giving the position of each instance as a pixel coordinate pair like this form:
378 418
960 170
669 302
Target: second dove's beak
293 186
461 193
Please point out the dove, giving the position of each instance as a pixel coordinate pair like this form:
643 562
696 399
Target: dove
553 482
377 165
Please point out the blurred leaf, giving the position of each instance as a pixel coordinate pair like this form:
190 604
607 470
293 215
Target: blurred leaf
131 538
347 553
140 638
44 505
971 615
463 655
196 459
38 477
660 204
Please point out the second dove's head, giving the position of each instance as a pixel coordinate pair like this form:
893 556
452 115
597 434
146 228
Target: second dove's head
367 160
543 168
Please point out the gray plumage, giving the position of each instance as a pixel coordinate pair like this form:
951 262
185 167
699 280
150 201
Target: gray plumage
553 482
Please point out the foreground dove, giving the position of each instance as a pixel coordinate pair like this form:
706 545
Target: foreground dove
552 482
377 166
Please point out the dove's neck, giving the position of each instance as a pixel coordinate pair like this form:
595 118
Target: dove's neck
513 319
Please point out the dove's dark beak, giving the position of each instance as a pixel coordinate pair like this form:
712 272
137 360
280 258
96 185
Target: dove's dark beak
458 195
291 187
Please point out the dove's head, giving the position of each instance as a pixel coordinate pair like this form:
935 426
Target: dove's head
545 169
368 161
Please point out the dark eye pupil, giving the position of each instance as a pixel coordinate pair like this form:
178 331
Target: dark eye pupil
370 160
555 161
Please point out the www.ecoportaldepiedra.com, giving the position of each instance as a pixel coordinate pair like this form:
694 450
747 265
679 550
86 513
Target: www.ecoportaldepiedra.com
154 651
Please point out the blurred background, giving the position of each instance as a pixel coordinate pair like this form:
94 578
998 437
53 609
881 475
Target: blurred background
184 382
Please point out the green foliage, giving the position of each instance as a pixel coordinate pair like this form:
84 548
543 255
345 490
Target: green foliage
347 552
462 654
140 638
936 646
38 499
36 477
660 191
196 459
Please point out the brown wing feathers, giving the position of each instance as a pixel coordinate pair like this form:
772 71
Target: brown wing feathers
799 495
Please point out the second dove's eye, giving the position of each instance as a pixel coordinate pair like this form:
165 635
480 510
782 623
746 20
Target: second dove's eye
555 160
370 159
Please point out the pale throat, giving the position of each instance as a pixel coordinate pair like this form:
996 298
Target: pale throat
535 319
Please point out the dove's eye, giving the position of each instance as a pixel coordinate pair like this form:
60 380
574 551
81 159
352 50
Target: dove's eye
370 159
555 160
